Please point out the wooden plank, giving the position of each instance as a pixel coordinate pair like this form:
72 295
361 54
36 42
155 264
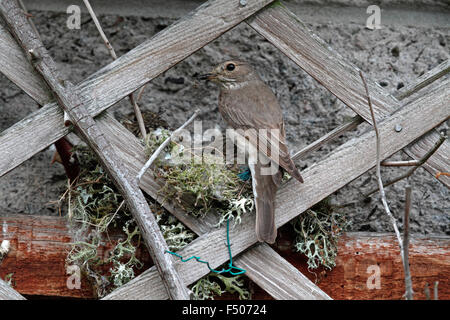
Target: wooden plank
369 267
275 275
289 34
121 77
294 198
354 269
39 247
12 64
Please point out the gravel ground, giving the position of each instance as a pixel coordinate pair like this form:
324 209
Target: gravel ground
392 56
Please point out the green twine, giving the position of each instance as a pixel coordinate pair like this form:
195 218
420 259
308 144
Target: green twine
230 264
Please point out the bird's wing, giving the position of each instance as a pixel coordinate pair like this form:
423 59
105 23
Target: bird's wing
255 107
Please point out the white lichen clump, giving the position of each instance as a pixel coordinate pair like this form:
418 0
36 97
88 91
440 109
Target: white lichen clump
4 248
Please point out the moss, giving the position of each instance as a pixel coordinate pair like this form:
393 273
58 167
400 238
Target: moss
318 231
275 4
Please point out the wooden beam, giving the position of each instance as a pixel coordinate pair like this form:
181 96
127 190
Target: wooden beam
37 258
293 198
289 34
39 247
369 267
118 79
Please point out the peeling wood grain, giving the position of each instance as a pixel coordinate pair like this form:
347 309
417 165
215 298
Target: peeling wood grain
294 198
12 64
39 246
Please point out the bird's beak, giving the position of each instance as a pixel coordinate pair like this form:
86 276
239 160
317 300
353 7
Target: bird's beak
207 76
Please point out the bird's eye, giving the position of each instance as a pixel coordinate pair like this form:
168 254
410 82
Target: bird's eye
230 66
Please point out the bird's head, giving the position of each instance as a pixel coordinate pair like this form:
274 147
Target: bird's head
230 72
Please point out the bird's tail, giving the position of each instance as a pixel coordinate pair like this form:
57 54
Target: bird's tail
264 190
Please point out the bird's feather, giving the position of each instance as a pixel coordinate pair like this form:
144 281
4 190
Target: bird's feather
253 107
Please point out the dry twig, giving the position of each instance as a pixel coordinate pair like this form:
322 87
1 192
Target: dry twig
110 48
380 182
406 163
163 145
408 281
417 166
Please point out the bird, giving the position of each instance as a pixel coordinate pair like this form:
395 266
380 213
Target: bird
248 104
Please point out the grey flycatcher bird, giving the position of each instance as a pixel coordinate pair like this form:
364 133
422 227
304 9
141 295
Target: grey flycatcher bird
247 103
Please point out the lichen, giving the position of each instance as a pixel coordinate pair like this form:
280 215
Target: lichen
214 284
199 187
4 249
95 207
318 231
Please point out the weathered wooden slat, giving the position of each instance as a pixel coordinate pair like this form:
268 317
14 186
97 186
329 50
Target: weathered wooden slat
12 64
274 274
124 75
39 246
289 34
293 198
8 293
424 80
350 125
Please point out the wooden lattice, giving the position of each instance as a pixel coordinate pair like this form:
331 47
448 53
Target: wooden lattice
173 44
